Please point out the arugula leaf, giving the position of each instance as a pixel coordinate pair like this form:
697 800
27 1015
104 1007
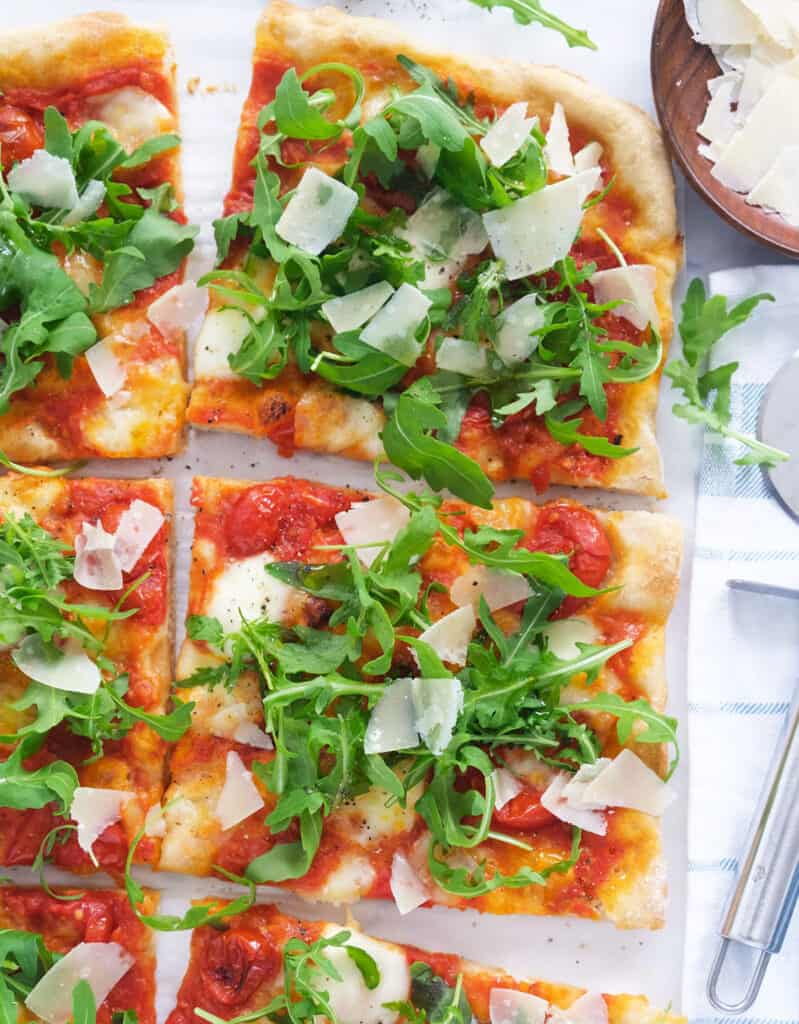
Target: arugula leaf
440 1002
410 444
24 960
27 790
567 431
528 11
295 115
704 322
84 1007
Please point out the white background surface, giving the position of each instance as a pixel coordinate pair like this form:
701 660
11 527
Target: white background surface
214 42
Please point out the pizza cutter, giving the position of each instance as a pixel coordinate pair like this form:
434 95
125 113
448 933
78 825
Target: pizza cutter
761 904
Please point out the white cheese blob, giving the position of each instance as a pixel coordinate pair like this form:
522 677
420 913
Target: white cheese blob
101 964
462 356
71 669
106 369
628 782
96 564
563 636
45 180
351 1001
407 888
93 810
245 589
436 706
347 312
573 812
179 310
450 635
392 723
317 212
590 1008
534 232
507 1006
498 587
506 787
372 522
633 284
558 151
507 134
515 342
87 204
138 525
133 115
443 234
778 189
393 329
239 796
221 335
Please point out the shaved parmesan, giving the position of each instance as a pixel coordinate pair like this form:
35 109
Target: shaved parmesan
756 78
507 134
351 1001
564 635
573 813
408 890
220 337
498 587
93 810
776 18
576 785
436 706
506 787
442 234
317 212
427 158
587 158
514 342
68 668
138 524
101 964
155 822
45 180
96 564
465 357
239 797
507 1006
372 523
755 147
450 636
106 368
633 285
393 329
558 148
392 723
532 233
87 204
628 782
722 22
252 735
244 589
778 189
180 309
227 719
719 124
590 1008
347 312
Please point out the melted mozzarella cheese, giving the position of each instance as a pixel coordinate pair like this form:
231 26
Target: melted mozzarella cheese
373 817
220 336
244 588
101 964
348 883
328 422
352 1002
132 114
239 797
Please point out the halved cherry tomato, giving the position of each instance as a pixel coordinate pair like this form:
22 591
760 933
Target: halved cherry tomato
523 812
20 134
235 964
564 528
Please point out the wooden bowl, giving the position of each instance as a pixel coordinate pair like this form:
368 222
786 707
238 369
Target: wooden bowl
680 71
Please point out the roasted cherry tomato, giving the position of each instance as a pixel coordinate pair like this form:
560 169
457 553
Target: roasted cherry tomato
235 963
563 528
524 812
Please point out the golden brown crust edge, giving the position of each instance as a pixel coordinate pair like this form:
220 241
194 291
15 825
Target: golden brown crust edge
61 53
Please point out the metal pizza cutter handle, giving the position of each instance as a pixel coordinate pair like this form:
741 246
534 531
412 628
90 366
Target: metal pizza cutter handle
767 888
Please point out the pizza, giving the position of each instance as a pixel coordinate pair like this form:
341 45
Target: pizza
85 667
406 251
264 958
53 940
390 697
94 242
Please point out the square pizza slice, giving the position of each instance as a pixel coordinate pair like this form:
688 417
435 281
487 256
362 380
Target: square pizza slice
395 696
264 960
93 243
85 667
68 953
418 248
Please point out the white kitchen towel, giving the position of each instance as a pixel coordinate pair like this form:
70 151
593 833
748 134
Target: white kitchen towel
743 656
